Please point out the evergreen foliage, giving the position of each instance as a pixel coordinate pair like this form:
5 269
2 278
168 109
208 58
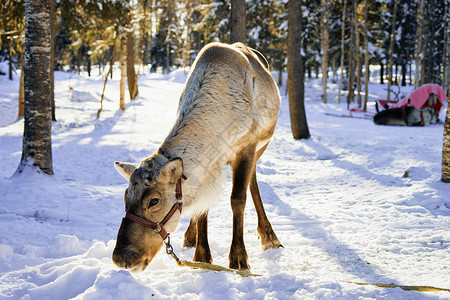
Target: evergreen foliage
170 33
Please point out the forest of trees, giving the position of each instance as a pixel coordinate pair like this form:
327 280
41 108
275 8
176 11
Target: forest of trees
161 34
340 36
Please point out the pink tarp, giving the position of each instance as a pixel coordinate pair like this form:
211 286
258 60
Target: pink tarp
419 97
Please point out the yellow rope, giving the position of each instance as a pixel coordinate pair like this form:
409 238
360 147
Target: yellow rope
211 267
207 266
417 288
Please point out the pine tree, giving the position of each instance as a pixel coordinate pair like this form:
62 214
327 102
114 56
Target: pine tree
123 71
36 150
21 86
434 37
267 24
447 50
52 57
131 73
391 49
341 65
352 56
295 83
446 143
324 45
358 56
167 42
446 146
237 21
419 43
366 55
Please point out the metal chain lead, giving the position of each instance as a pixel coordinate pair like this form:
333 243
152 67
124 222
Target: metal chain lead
169 250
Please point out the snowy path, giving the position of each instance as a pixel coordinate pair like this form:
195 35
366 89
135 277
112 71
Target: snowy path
338 202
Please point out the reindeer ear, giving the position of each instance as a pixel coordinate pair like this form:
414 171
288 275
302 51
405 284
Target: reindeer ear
172 171
125 169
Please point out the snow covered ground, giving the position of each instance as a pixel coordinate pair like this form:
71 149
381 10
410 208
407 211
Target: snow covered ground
338 202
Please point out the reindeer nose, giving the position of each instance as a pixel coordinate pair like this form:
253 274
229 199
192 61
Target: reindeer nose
124 258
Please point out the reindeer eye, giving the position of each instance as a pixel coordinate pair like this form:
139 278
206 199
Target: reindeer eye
153 202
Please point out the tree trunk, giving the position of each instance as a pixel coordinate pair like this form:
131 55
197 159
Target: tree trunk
410 75
334 69
391 50
295 83
168 57
351 60
143 25
123 72
358 55
324 44
147 30
52 58
88 62
237 21
187 40
131 73
419 43
381 73
37 147
342 50
280 76
446 145
403 81
10 75
21 88
447 52
366 56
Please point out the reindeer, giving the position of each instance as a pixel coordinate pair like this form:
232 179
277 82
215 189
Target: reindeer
226 115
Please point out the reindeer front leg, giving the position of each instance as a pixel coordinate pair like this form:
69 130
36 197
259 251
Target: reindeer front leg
190 235
202 251
196 235
242 168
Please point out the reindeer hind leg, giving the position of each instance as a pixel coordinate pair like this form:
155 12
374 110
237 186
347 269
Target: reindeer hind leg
268 237
242 168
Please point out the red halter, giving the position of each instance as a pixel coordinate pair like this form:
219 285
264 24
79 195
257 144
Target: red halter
159 227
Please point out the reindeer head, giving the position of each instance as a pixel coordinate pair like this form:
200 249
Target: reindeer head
150 196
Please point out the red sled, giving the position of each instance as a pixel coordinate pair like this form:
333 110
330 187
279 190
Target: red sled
419 99
420 108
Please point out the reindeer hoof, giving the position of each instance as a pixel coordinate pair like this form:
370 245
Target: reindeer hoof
269 239
188 243
239 262
203 258
240 265
190 238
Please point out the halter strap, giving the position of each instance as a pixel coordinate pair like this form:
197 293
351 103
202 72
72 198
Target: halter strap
159 227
